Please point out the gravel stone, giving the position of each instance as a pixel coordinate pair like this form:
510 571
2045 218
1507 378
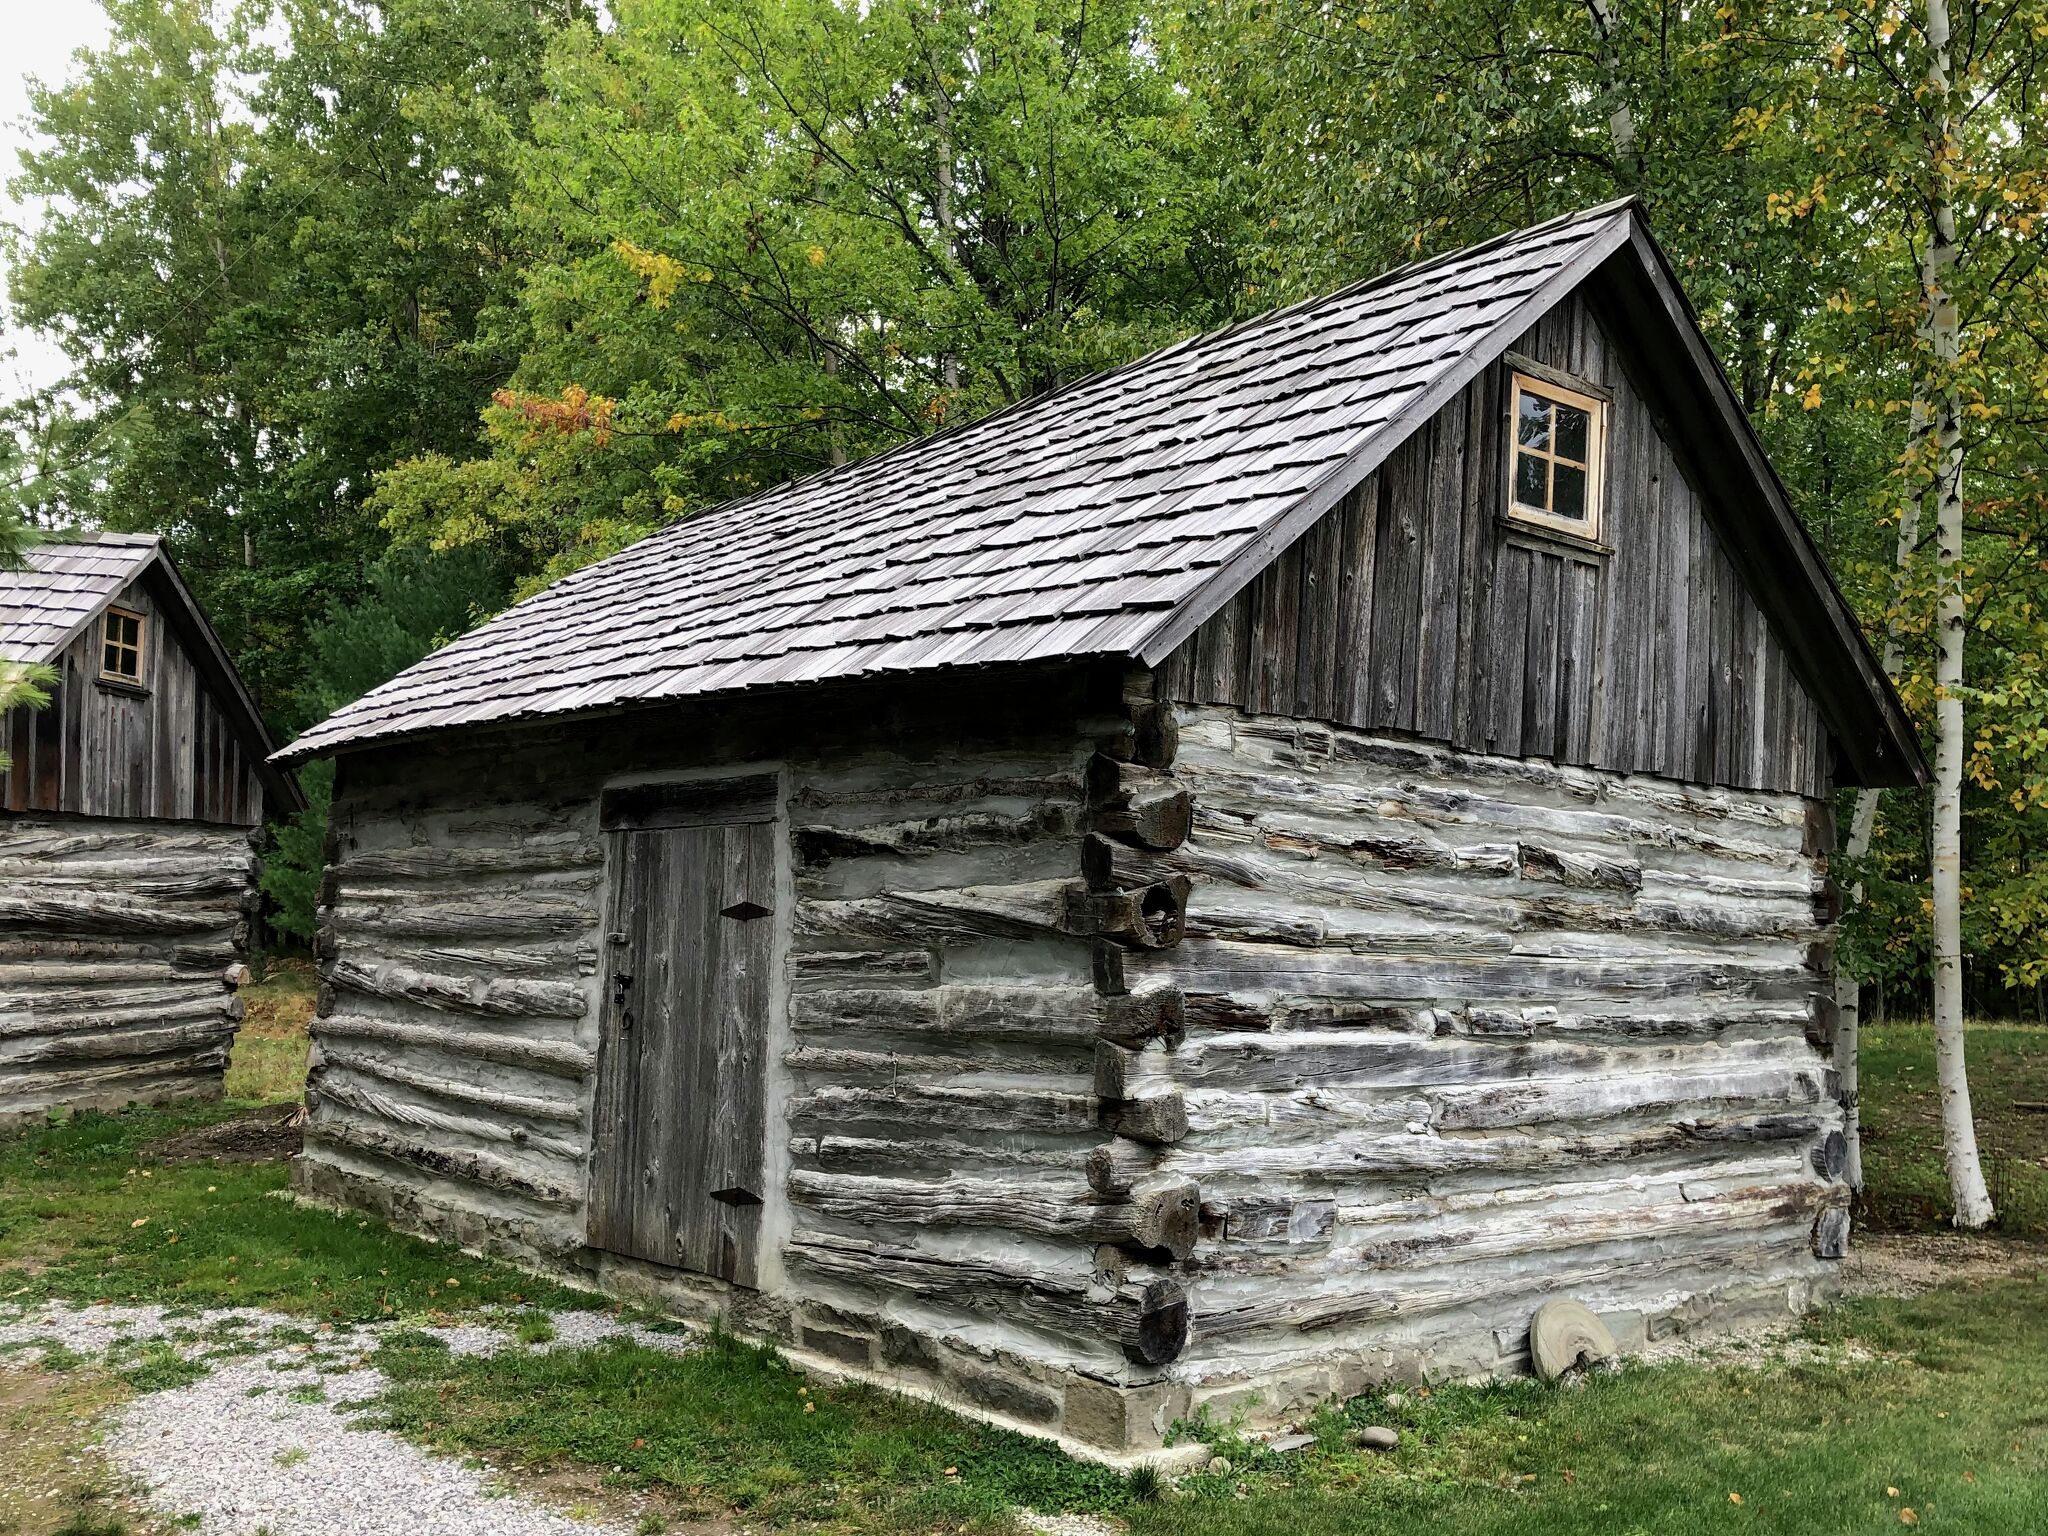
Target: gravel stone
234 1449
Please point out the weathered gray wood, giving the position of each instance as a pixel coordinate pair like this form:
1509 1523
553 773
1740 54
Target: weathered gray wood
1447 620
1137 805
1034 1015
505 997
1156 1213
115 941
485 1169
995 1110
1144 1312
679 1127
177 749
559 1058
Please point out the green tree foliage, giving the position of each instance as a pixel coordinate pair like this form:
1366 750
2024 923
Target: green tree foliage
527 279
273 246
773 236
415 602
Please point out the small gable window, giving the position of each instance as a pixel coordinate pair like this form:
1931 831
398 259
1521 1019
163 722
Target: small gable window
1556 470
121 650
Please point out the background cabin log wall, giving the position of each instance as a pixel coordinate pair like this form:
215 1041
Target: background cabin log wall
165 750
119 955
1465 1032
1415 607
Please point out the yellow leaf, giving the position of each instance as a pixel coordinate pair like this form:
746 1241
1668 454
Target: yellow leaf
140 1221
1907 1517
817 255
1891 1493
1734 1498
1811 399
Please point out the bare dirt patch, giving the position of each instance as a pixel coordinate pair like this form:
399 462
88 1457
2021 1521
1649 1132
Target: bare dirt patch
1903 1264
53 1477
266 1135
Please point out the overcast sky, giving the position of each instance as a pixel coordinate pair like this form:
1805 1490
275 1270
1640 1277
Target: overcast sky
41 35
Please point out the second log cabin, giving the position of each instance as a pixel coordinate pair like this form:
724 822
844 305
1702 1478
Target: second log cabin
128 810
1223 885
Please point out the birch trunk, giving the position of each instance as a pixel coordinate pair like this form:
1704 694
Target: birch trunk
1958 1127
1621 122
942 118
1863 820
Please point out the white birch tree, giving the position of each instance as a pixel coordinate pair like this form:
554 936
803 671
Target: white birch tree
1958 1126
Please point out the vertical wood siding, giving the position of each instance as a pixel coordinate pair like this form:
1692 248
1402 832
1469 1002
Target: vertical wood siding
1415 608
165 752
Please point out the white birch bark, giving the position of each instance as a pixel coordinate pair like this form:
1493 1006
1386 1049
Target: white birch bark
1958 1126
1863 820
1621 122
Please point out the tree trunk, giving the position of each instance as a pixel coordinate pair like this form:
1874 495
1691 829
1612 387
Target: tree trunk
942 114
1621 122
1863 820
1958 1128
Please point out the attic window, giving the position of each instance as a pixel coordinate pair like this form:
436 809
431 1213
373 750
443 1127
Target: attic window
121 648
1557 451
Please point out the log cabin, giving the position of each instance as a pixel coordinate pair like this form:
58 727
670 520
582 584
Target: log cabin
128 810
1229 883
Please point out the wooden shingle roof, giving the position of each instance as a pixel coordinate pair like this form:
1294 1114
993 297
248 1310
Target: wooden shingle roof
1108 519
62 587
65 584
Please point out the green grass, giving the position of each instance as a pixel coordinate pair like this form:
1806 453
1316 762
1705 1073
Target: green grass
268 1063
1941 1397
83 1218
732 1430
1904 1176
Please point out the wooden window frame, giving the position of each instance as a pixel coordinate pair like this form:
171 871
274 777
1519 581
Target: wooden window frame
1556 393
141 649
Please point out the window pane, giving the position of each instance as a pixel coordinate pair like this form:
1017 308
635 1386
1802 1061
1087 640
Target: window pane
113 660
1529 481
1568 492
1532 429
1572 425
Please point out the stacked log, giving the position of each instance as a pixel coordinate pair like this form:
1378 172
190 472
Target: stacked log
944 1026
1462 1032
451 1043
120 946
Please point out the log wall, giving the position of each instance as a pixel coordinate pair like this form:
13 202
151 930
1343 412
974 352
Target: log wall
935 1211
120 945
1467 1032
1126 1056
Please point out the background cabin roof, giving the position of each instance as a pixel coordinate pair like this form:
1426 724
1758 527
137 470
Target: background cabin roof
63 587
1107 519
66 584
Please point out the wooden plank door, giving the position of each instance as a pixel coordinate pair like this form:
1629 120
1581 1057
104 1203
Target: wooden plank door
678 1163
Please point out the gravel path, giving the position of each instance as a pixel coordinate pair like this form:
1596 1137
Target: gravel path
265 1441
